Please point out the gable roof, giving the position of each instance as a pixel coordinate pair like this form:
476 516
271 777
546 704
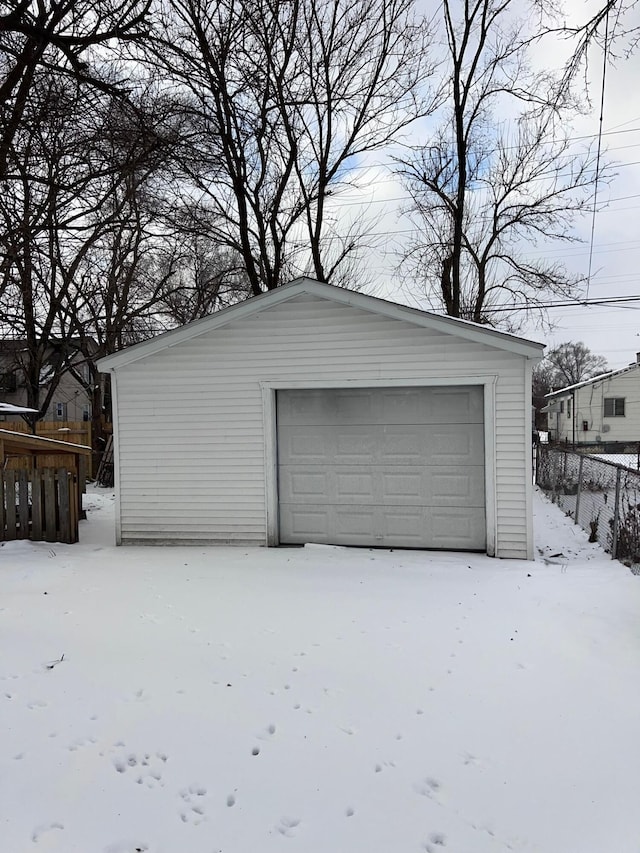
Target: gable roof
594 379
451 325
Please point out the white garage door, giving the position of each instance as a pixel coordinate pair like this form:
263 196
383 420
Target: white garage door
393 467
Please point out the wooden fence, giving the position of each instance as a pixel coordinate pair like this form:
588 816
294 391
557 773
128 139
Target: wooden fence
40 504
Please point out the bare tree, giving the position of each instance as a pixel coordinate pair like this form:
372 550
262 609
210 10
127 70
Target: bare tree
610 26
282 97
573 362
485 192
566 364
209 278
78 168
42 233
60 38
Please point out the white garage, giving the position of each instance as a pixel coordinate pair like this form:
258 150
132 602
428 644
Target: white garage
317 414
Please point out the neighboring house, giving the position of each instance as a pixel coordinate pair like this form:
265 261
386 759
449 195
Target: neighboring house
70 401
602 410
315 414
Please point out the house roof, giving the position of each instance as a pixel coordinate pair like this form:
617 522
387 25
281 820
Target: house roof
27 444
10 409
450 325
594 379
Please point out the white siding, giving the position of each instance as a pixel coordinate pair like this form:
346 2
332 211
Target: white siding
191 427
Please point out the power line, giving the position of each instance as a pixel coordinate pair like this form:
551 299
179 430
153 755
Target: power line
337 201
605 56
613 301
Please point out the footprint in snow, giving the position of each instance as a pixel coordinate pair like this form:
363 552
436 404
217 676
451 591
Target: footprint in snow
193 810
79 742
42 829
428 787
287 826
436 840
145 768
139 696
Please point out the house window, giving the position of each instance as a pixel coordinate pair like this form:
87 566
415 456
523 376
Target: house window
561 406
61 411
614 407
568 408
86 412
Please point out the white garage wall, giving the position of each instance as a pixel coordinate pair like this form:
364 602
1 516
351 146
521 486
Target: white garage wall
191 428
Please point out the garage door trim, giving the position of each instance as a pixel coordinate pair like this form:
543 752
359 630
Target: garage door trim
270 387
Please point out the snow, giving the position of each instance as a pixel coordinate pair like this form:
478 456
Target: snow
10 409
325 700
629 460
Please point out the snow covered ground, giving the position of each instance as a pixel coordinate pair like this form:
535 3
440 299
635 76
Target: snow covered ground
629 460
322 700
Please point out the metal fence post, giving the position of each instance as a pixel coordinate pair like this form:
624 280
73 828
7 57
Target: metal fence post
580 463
616 516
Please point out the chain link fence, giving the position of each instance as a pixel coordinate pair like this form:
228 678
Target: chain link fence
602 497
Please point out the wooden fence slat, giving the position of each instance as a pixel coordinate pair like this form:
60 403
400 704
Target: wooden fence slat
23 504
2 512
64 505
74 507
81 483
36 506
50 500
10 503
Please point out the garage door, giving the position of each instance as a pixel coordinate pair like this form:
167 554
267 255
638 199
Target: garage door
392 467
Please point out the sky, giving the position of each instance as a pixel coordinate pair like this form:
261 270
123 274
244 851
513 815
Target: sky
614 256
613 332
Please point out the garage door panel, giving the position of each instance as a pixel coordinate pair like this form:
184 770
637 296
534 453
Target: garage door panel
397 444
332 406
401 485
309 447
342 485
354 445
354 524
449 488
457 528
305 523
355 486
399 467
457 405
324 406
305 484
399 527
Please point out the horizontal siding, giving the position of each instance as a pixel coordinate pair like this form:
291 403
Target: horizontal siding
190 419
